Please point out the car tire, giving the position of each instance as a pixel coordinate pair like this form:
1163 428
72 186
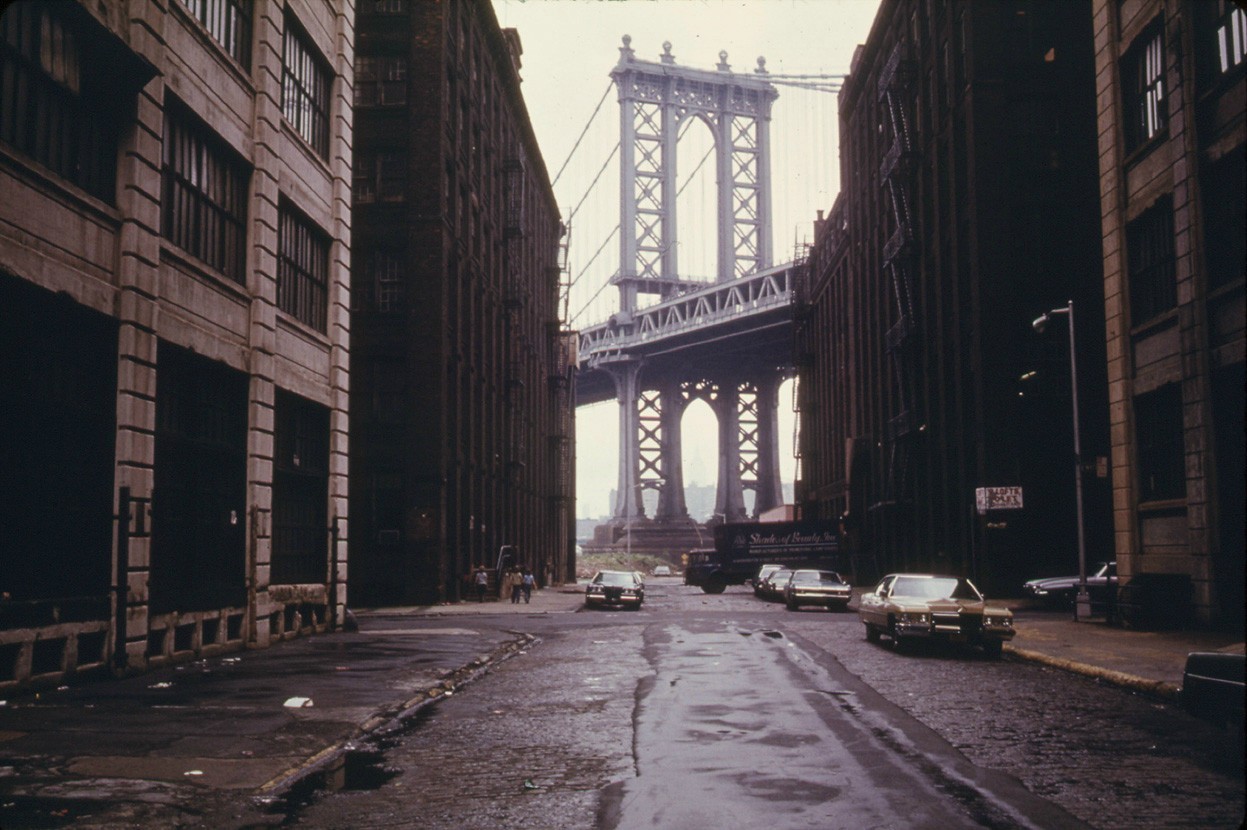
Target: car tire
993 649
872 634
790 605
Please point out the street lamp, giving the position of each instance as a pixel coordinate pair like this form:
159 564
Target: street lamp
1082 602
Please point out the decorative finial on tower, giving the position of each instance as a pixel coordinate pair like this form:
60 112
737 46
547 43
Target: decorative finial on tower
761 70
667 57
625 51
724 66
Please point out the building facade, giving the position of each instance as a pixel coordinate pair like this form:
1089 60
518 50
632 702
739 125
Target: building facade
967 208
1171 96
174 320
461 428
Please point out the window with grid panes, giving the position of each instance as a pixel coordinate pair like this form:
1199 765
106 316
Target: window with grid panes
1228 34
302 268
1225 217
229 23
305 88
1143 88
1161 449
58 95
385 271
203 205
381 82
1150 259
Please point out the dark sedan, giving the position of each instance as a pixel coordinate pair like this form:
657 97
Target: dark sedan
621 589
810 587
1061 590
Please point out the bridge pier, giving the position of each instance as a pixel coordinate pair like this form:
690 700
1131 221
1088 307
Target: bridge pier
627 392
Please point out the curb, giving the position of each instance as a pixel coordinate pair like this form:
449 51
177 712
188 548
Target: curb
391 716
1156 688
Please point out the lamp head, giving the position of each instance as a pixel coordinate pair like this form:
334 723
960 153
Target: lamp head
1040 323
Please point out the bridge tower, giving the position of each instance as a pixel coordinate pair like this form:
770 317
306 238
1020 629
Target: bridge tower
655 99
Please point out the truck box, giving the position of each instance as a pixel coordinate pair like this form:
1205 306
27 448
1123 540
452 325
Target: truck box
740 548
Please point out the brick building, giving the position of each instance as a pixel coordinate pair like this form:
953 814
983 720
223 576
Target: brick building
1171 97
174 242
967 208
461 429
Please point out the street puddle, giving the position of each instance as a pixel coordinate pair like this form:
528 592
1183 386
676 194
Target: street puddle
24 811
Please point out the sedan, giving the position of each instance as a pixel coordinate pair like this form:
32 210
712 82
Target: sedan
1061 590
763 573
621 589
772 587
932 607
824 588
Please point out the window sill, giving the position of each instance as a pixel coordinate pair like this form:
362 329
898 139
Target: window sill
1154 324
1145 149
43 178
196 267
303 330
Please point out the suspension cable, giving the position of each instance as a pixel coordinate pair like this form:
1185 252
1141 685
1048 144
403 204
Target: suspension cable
589 302
588 124
593 184
601 248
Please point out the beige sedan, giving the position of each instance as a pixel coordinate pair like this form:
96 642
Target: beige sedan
933 607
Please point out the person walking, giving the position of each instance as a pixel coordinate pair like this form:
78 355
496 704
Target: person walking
526 583
511 582
482 582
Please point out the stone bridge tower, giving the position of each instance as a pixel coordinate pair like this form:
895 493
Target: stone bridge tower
655 99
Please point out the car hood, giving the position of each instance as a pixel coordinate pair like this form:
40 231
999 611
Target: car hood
948 606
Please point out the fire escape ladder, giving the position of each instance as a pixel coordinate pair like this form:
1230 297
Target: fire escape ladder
895 82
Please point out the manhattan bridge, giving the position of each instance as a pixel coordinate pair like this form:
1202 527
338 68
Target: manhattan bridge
716 328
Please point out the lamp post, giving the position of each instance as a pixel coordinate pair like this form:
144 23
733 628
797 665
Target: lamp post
1082 602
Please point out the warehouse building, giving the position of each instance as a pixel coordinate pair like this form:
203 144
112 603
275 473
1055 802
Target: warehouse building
174 323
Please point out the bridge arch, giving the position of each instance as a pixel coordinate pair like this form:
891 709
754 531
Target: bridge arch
654 98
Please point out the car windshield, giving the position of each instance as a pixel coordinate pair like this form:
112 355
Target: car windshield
939 587
780 577
619 579
816 578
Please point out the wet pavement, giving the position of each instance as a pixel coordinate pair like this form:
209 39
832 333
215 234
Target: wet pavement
164 747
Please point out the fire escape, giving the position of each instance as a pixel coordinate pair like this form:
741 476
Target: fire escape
896 83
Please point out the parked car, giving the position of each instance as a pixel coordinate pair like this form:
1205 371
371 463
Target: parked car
772 588
1213 684
662 570
1061 590
934 607
758 580
810 587
622 589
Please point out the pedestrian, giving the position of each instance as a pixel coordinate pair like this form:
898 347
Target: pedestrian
526 582
482 582
511 583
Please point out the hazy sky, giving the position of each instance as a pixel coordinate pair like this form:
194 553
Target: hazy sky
570 47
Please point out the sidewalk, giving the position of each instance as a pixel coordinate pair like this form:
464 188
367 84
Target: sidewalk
1151 662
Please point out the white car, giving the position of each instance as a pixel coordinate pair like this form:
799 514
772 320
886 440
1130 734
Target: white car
662 570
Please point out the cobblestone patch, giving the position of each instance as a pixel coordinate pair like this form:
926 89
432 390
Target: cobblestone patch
1113 758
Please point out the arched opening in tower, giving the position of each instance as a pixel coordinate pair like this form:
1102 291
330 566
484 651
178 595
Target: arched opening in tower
696 203
699 437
